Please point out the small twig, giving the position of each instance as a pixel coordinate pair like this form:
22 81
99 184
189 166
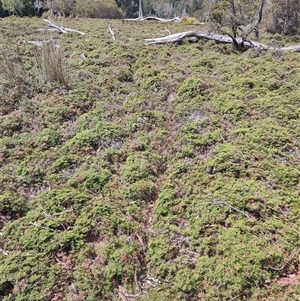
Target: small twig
291 84
111 30
47 215
231 207
294 253
223 138
138 287
133 296
37 225
121 293
140 240
62 212
168 31
235 297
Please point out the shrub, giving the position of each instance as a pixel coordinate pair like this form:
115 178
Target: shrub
12 202
189 20
11 69
98 9
140 166
62 7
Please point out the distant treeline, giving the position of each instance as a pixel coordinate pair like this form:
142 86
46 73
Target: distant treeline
280 16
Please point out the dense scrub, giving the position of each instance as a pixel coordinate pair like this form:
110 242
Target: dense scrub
174 166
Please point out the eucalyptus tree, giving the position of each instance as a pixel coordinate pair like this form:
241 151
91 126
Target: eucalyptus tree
237 18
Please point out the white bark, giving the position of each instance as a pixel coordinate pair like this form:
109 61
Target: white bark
140 9
176 19
111 30
177 37
61 29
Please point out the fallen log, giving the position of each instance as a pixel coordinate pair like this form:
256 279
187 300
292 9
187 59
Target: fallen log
153 18
178 37
53 26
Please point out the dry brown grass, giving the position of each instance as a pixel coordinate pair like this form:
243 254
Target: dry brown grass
10 68
51 63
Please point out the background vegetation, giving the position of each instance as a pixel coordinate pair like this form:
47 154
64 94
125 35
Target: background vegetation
173 166
280 16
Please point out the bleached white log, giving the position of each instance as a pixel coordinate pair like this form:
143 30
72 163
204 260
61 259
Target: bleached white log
61 29
176 19
177 37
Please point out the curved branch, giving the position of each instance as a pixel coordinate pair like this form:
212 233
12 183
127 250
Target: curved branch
234 41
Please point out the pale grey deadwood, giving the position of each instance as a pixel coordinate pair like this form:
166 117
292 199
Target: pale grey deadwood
53 26
177 37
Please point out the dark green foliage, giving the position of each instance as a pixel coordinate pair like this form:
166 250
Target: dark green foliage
12 202
91 178
142 165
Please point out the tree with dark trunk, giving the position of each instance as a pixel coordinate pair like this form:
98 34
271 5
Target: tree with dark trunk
239 17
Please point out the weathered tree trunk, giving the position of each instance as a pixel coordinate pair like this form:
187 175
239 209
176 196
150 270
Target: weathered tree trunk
177 37
176 19
140 10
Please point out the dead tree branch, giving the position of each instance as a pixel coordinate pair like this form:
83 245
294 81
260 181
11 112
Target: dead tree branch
138 286
122 293
111 30
60 29
220 203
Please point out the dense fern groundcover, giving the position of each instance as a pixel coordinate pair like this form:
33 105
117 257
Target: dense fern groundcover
152 172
